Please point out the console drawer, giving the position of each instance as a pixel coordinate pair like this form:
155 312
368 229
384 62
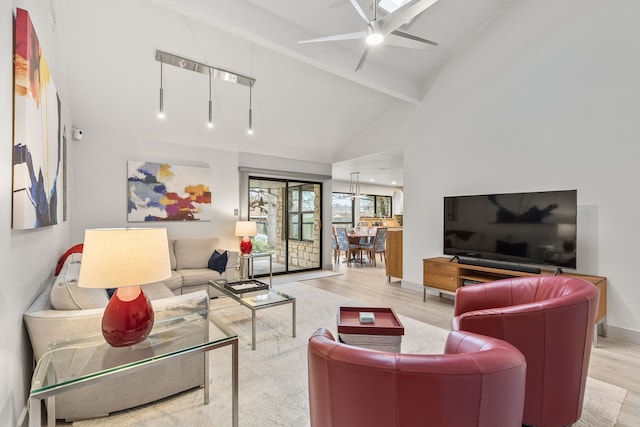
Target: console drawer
441 275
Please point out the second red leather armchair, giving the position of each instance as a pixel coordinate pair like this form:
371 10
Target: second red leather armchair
550 319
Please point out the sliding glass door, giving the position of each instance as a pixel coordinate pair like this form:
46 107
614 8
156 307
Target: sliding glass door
289 217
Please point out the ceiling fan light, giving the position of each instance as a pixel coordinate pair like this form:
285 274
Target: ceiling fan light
374 39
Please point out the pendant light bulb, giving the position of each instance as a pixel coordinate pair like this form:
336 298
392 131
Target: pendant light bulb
161 109
210 124
250 130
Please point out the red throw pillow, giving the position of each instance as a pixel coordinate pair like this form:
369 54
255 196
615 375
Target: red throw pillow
72 250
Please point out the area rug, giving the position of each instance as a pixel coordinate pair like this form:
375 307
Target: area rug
273 378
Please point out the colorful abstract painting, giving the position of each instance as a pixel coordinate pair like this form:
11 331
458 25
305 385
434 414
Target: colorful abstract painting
37 137
164 192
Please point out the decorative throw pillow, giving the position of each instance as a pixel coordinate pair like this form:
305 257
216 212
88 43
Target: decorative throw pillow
67 295
218 261
72 250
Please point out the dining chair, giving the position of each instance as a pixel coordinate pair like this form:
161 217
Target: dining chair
376 244
343 241
380 246
334 246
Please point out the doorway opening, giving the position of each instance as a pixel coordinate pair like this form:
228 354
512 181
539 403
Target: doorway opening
288 216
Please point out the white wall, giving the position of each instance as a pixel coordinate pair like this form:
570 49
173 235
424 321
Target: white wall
27 258
100 168
545 97
100 171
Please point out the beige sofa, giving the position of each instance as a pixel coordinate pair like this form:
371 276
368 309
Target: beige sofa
64 311
189 271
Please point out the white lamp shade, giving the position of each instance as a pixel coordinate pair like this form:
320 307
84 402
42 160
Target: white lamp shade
113 258
566 230
246 228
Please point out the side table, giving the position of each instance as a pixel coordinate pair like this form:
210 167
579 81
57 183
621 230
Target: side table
249 260
64 366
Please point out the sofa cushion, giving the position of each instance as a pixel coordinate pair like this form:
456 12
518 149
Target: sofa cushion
218 261
193 253
66 295
198 276
174 282
156 291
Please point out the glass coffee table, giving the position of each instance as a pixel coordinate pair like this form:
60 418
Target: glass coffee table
256 295
64 366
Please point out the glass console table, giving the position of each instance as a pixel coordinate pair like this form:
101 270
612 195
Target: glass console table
65 364
257 300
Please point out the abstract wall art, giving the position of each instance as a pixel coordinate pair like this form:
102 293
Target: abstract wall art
37 135
166 192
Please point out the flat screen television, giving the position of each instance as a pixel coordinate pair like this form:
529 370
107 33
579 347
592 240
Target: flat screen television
533 228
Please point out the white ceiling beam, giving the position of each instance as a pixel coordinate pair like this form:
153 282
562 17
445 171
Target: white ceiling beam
265 29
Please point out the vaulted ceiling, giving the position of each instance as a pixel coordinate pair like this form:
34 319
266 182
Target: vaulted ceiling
308 102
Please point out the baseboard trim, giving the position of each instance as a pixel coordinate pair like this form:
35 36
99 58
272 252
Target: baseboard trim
623 334
430 291
411 285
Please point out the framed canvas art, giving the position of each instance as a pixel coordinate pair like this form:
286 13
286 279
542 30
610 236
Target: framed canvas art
165 192
37 135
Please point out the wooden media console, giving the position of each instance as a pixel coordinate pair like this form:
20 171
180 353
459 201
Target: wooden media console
446 276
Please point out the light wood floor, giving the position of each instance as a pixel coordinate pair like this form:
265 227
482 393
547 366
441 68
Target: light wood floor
616 362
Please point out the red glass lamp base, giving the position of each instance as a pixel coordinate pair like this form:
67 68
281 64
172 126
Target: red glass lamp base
128 318
245 245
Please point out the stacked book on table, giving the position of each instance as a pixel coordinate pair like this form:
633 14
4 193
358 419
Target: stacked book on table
377 328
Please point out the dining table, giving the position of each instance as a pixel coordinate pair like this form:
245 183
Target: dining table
359 238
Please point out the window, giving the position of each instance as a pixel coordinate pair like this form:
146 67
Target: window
383 206
375 206
341 210
302 200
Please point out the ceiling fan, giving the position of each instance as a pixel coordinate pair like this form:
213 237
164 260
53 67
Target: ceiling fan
385 30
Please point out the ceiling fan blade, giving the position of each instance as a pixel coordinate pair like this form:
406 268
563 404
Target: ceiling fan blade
358 9
347 36
402 15
400 39
364 57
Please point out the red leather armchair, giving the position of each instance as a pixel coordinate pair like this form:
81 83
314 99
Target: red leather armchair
550 319
479 381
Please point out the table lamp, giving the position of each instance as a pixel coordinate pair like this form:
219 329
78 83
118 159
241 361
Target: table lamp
125 259
245 229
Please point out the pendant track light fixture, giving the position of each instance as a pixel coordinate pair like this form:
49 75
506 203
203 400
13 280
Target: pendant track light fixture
161 109
212 72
